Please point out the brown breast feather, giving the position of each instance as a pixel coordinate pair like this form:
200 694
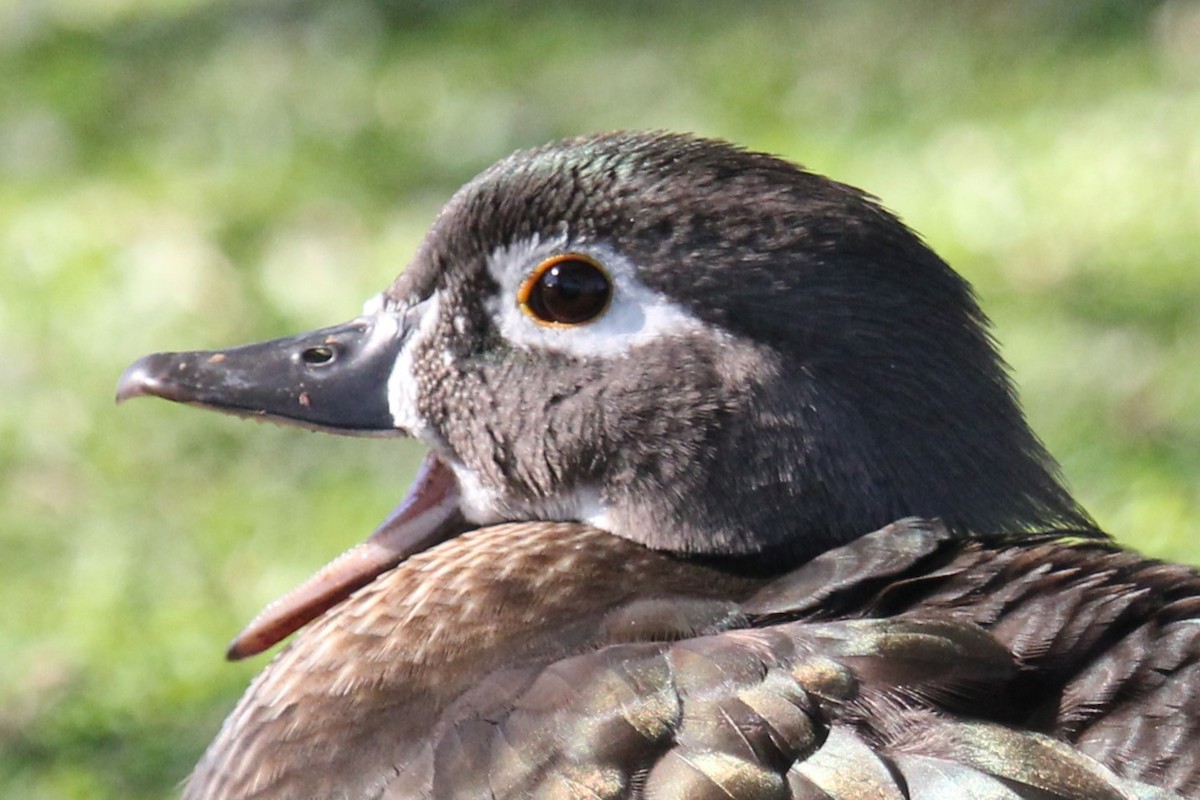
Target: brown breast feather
554 660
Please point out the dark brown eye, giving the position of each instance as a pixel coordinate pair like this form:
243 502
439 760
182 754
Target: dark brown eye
566 290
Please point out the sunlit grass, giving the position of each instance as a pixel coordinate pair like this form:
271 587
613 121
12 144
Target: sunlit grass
196 174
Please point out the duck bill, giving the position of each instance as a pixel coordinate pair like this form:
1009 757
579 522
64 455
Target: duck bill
334 379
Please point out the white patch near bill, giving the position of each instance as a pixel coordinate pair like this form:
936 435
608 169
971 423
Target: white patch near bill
403 388
374 305
637 314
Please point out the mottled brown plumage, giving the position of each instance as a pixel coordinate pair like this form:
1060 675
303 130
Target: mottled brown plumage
687 601
555 660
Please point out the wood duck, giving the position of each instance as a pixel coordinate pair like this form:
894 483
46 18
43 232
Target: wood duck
728 495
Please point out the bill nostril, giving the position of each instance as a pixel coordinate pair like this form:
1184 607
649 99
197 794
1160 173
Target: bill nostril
318 356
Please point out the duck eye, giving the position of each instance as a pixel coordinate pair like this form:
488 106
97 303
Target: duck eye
566 290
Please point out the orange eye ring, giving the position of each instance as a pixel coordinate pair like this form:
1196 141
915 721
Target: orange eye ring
566 290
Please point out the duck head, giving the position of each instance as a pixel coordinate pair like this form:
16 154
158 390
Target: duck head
705 350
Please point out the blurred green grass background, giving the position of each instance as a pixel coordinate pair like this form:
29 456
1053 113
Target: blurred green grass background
177 174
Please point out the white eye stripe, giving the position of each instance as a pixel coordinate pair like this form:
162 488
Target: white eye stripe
636 315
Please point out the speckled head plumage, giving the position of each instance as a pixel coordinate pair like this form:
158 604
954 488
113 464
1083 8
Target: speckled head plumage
782 367
827 373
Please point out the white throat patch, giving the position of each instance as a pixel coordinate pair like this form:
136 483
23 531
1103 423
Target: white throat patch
482 506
